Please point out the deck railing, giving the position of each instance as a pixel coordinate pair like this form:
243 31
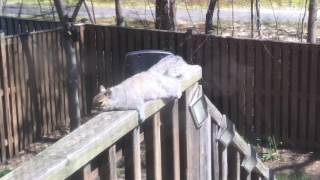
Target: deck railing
175 148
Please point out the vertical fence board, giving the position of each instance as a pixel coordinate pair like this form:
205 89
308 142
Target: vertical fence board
217 97
116 69
51 82
312 91
276 80
122 52
285 85
23 94
225 76
267 87
6 92
242 86
99 49
258 88
13 90
108 58
303 89
18 89
250 88
56 83
2 108
61 78
47 83
233 75
42 85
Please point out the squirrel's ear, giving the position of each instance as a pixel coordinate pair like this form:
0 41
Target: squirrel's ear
102 89
108 92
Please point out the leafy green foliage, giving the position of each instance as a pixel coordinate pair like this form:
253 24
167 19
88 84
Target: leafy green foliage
270 151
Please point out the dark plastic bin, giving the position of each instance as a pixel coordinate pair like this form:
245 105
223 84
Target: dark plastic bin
137 61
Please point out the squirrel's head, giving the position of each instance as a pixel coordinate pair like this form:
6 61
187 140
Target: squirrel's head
102 100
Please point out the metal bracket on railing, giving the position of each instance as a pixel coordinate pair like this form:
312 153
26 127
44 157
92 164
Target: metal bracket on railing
226 131
250 161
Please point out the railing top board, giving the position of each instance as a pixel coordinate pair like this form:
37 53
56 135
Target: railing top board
79 147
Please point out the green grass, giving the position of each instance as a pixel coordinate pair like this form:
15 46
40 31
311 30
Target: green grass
4 172
296 175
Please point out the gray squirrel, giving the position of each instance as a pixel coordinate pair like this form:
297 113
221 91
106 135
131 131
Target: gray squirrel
161 81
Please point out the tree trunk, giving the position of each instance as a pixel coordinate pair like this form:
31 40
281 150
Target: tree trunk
165 14
251 10
258 17
119 14
312 21
209 16
73 96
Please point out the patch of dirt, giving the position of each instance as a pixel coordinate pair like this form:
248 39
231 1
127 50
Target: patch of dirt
293 162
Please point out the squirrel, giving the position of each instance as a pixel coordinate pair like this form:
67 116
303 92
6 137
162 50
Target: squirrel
161 81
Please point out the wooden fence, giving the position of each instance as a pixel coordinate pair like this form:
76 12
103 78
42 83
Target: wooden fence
265 87
268 88
12 25
33 97
174 147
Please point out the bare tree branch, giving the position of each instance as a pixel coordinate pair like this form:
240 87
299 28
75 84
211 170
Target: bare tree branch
76 10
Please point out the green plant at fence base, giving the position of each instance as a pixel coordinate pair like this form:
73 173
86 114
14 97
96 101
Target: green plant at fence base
4 172
270 152
295 175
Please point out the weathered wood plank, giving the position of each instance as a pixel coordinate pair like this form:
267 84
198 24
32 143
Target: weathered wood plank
115 56
224 162
170 150
132 155
18 89
153 147
215 152
225 76
2 114
267 86
258 81
303 89
234 163
13 90
23 94
237 140
314 70
234 91
6 95
250 89
285 85
242 86
110 167
108 58
276 87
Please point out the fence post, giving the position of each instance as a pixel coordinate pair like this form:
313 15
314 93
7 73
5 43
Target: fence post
189 45
3 115
195 142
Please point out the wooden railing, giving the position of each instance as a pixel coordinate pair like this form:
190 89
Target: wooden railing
226 137
174 147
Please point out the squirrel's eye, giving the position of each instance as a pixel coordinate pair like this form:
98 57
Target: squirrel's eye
100 103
